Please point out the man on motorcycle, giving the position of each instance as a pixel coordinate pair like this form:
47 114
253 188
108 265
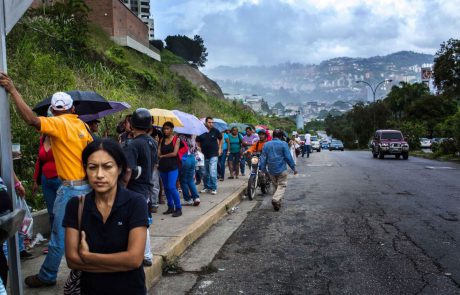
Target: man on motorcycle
257 147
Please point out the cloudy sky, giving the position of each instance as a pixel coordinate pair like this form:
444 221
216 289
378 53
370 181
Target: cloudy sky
265 32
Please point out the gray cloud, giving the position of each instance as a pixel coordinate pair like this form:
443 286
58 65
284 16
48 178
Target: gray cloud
263 32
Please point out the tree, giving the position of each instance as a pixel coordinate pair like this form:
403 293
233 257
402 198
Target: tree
192 50
446 69
158 44
431 110
401 97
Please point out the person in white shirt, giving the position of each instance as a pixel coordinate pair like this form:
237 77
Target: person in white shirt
307 145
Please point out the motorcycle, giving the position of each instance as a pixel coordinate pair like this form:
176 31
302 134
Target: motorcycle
257 178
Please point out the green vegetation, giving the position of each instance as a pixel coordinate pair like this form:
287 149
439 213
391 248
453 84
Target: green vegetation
191 50
412 109
55 50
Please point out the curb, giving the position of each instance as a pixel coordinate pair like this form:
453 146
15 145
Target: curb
190 235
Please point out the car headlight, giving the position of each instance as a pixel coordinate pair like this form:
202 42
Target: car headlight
384 145
255 161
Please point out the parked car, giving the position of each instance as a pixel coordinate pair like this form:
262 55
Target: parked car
336 145
425 143
315 145
389 142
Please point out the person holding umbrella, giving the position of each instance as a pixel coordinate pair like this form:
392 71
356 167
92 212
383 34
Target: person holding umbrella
69 136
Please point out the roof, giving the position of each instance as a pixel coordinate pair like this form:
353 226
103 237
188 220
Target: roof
388 130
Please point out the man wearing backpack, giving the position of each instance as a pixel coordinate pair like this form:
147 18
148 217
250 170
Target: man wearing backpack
141 155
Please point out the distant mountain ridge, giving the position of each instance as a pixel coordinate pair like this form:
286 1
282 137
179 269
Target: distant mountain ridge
333 79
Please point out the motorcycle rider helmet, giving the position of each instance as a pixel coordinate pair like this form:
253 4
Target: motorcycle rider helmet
263 131
141 119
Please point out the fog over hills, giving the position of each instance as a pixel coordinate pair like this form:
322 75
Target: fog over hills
331 80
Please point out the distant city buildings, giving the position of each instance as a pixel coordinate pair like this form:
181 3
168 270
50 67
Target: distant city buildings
300 112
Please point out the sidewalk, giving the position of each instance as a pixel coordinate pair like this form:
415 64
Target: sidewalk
170 237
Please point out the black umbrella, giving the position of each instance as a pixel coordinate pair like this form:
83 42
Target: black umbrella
85 102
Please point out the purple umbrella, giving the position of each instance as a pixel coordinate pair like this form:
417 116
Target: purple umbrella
116 106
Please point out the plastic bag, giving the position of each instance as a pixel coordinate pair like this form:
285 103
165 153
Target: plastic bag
27 223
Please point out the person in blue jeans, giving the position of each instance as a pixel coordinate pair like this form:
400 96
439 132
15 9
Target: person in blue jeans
187 172
169 168
210 144
223 157
50 267
69 136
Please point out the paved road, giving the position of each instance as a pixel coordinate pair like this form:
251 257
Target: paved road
350 224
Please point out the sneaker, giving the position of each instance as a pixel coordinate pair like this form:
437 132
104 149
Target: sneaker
35 282
45 251
214 192
147 262
196 202
276 206
25 255
169 211
177 213
188 203
242 174
205 190
221 179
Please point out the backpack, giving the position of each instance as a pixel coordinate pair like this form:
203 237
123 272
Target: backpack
183 150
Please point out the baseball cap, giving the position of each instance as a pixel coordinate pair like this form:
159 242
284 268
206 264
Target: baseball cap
61 101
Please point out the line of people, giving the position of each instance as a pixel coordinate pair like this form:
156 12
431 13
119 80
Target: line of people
108 245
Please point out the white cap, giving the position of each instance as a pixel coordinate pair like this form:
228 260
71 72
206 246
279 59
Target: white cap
61 101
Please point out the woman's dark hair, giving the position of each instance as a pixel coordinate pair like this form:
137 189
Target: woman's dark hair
110 146
168 124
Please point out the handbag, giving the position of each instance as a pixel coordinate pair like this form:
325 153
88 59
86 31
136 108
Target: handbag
72 284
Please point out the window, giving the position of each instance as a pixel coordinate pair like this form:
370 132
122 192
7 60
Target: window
391 135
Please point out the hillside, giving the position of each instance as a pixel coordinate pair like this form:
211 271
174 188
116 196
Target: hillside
330 80
46 54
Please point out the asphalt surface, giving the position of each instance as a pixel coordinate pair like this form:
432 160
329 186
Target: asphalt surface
349 224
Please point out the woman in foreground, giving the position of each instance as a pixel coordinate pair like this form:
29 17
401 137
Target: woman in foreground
109 249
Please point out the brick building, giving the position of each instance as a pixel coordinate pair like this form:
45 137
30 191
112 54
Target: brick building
124 26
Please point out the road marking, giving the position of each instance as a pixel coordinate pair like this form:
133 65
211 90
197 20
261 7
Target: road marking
320 165
439 168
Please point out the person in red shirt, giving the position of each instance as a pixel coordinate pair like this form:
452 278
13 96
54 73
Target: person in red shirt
46 175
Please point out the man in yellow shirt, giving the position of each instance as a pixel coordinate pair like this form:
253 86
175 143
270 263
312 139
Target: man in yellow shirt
69 136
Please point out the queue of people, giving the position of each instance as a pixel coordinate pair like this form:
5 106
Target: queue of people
100 194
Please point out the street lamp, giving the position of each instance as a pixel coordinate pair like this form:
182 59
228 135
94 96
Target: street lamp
374 91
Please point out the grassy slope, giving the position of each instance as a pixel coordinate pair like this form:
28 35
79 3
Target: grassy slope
40 64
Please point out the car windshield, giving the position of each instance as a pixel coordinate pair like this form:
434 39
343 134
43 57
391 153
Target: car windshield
302 137
391 135
336 142
314 138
